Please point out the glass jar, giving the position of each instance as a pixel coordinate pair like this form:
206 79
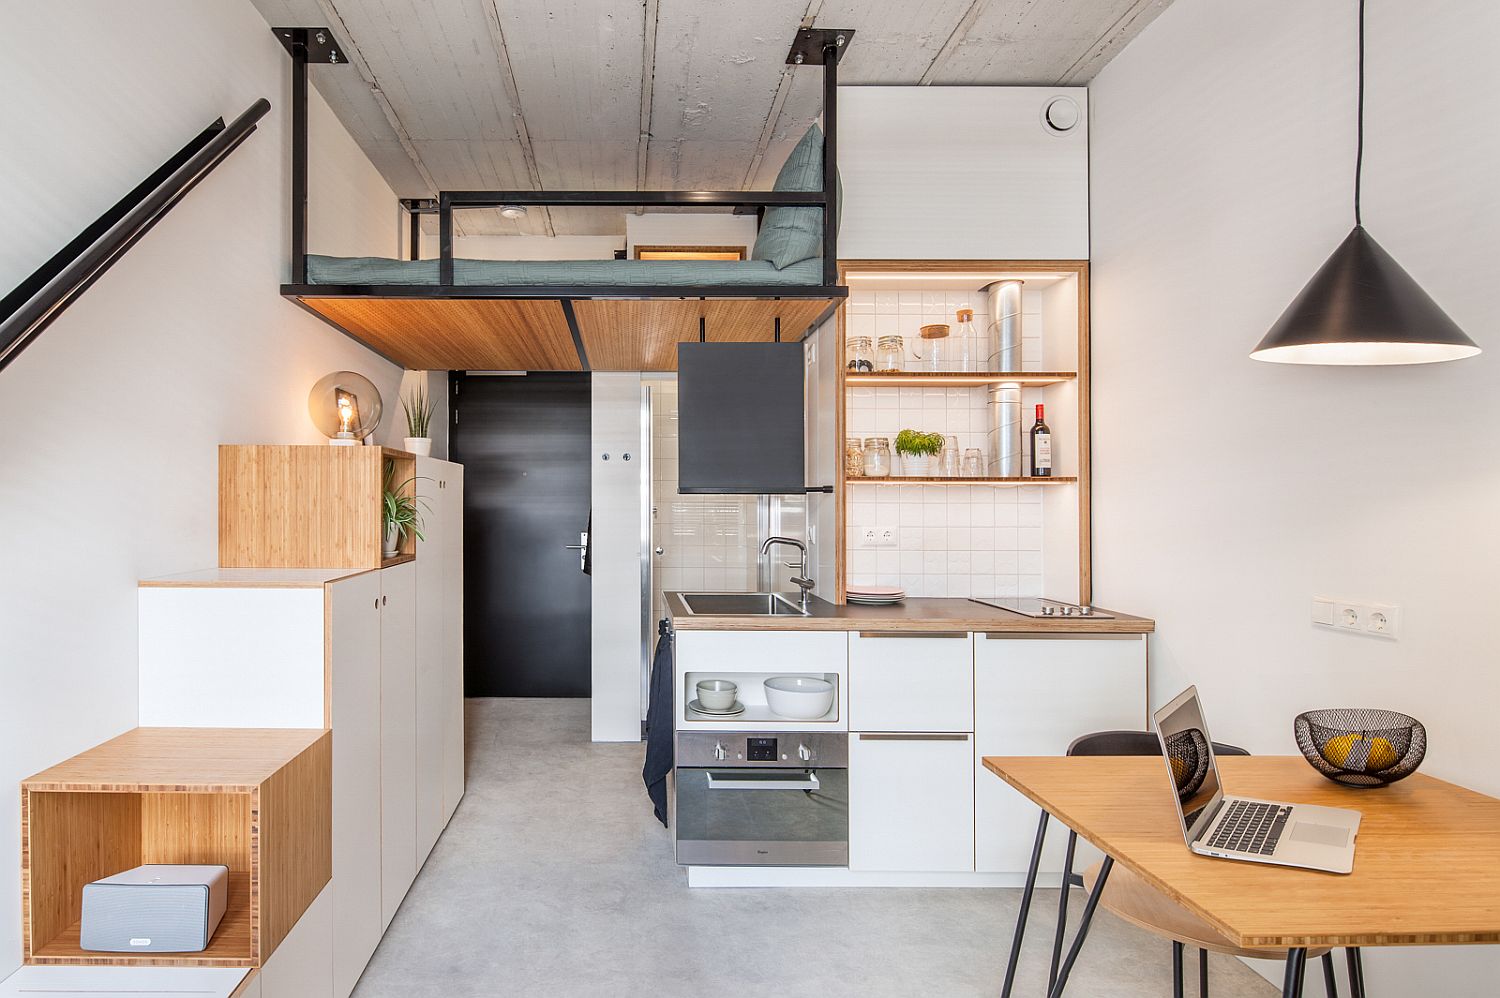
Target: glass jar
973 465
858 357
934 348
890 354
877 457
854 458
948 459
965 344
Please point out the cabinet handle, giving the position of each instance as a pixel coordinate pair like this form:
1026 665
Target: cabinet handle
384 600
913 634
923 737
1066 636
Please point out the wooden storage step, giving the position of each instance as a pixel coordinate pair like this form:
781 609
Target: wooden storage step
255 800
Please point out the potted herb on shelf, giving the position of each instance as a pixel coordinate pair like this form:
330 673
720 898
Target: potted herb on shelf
418 421
918 450
400 512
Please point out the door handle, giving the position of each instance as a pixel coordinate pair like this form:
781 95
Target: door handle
800 781
574 547
658 551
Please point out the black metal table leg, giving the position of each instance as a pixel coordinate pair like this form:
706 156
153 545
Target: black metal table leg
1296 963
1330 983
1026 892
1203 973
1177 949
1356 972
1062 906
1083 927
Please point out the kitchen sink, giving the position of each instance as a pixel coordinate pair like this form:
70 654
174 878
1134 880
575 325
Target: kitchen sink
741 605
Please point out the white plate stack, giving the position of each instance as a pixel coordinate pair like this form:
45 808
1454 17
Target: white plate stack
874 595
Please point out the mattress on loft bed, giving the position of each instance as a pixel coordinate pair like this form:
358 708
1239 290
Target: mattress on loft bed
565 273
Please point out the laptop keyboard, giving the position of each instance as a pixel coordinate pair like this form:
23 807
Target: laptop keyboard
1251 826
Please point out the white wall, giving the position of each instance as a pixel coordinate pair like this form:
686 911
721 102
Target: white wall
115 412
616 582
720 228
525 247
1228 492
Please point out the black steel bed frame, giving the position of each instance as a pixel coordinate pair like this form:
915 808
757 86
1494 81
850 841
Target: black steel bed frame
812 46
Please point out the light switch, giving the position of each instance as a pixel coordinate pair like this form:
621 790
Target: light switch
1322 610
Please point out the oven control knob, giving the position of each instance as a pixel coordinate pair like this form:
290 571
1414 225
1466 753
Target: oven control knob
804 753
1048 611
720 752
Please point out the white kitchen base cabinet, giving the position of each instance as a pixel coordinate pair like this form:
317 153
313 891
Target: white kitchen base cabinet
1034 696
910 681
302 966
398 736
911 801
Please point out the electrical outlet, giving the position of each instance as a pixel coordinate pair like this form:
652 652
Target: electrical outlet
869 537
1383 621
1379 620
1350 616
888 538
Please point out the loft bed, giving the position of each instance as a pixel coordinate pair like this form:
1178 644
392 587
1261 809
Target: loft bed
581 315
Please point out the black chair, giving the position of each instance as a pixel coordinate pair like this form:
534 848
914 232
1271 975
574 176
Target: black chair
1135 901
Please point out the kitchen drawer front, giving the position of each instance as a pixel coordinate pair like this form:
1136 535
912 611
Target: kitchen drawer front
761 651
911 802
900 681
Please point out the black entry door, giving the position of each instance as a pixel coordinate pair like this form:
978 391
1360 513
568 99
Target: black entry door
524 445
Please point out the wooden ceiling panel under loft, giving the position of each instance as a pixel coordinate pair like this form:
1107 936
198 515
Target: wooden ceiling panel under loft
465 334
643 335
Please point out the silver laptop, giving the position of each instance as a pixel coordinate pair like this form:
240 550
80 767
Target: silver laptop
1256 831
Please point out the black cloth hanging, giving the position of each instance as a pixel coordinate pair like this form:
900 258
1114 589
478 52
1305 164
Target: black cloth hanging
659 754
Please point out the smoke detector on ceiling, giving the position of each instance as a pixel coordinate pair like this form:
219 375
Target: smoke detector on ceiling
1060 115
514 212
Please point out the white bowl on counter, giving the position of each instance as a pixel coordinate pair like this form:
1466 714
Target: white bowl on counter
717 694
799 698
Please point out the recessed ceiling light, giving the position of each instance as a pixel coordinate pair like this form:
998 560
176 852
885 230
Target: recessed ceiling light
514 212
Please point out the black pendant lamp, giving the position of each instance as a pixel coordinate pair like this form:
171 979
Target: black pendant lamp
1361 307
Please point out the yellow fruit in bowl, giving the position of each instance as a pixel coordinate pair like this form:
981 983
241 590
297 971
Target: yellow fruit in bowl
1361 753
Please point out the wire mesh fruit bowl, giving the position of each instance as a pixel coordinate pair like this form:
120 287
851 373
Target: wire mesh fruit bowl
1361 747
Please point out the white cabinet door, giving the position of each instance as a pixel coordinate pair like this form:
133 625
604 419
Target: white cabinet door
398 736
301 967
453 637
908 681
1033 696
432 566
911 801
354 632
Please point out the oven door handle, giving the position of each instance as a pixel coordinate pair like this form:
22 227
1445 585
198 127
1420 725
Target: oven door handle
797 781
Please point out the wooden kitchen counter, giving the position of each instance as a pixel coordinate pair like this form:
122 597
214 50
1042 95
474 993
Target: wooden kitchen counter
916 614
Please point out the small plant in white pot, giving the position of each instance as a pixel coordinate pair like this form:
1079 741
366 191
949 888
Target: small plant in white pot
418 421
918 452
400 512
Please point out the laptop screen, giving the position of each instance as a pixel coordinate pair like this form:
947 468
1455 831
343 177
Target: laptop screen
1189 753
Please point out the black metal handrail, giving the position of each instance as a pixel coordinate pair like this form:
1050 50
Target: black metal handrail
43 296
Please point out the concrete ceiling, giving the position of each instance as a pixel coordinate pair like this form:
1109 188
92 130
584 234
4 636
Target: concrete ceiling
654 94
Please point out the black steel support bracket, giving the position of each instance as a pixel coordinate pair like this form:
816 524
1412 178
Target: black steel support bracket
317 44
809 46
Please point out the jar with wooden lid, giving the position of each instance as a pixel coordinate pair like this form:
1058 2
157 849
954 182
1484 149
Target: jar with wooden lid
890 354
934 349
854 458
877 457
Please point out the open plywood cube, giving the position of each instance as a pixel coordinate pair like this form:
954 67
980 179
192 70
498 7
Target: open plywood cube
255 800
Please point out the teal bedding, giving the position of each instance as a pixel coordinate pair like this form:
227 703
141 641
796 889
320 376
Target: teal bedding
563 273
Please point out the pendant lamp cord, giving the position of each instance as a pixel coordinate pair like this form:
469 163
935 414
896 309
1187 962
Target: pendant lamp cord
1359 154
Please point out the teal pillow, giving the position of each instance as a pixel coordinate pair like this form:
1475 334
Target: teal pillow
791 235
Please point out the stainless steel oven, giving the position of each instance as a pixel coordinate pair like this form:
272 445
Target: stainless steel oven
762 798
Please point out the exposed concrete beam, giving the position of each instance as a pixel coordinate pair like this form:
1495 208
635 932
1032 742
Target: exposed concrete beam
778 101
955 39
513 96
651 10
336 21
1126 27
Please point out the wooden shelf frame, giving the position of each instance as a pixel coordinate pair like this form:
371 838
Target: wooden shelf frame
957 379
1078 270
948 480
258 801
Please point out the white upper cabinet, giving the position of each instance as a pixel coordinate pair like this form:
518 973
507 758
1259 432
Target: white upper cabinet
963 173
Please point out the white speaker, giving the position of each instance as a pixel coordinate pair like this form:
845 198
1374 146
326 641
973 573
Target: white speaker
154 909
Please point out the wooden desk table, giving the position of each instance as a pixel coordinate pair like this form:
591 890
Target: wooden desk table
1426 864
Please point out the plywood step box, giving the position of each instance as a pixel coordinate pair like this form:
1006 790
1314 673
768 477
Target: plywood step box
255 800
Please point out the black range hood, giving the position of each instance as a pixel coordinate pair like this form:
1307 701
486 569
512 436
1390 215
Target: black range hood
740 419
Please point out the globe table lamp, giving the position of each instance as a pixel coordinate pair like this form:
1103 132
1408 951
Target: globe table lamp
345 407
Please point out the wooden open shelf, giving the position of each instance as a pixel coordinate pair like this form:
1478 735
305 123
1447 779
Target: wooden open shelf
257 801
309 506
939 480
957 379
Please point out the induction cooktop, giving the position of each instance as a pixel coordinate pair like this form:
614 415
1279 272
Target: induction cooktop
1034 606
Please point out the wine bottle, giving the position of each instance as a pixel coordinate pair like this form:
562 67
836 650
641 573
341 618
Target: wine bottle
1041 446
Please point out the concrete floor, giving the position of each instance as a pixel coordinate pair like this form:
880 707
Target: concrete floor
553 879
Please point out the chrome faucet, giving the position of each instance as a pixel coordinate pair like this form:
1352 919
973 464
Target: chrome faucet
802 580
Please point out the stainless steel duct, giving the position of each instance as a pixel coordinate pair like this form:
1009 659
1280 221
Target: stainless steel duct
1005 397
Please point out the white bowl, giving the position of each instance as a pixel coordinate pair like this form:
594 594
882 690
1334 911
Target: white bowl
798 697
717 694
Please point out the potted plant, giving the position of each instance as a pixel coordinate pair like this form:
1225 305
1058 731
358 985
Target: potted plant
418 421
400 512
917 450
